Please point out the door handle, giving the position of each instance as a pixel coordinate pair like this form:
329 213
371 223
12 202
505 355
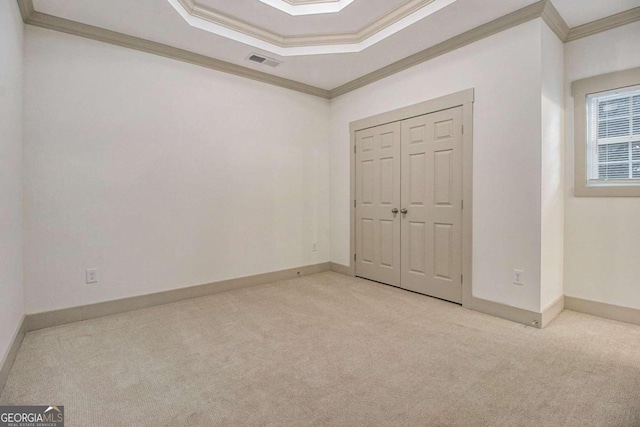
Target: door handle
394 210
404 211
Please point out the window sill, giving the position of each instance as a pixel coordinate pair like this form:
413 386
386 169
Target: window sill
606 190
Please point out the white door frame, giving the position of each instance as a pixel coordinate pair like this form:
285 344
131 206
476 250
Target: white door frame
462 99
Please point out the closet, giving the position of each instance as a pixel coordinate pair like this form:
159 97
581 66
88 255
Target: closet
409 203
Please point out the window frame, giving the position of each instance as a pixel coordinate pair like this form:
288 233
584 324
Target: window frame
580 89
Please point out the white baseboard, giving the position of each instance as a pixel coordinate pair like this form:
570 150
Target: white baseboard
92 311
342 269
552 311
12 352
518 315
609 311
48 319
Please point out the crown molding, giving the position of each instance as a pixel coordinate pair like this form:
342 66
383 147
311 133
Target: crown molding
604 24
508 21
541 9
214 21
26 9
100 34
210 15
554 21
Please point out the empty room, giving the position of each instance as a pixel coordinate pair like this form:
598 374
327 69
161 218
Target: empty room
319 212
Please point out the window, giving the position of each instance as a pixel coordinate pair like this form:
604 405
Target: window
613 141
607 135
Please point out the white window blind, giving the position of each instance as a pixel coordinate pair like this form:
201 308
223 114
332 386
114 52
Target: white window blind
613 137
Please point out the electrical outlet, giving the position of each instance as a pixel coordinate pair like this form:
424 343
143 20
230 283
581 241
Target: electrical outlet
518 277
92 275
314 247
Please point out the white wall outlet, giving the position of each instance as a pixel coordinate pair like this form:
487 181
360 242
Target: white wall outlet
92 275
314 247
518 277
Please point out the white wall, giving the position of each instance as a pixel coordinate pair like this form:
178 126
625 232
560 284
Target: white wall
552 167
602 244
505 70
162 174
11 292
147 168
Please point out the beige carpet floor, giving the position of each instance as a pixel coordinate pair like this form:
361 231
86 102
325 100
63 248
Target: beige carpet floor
330 350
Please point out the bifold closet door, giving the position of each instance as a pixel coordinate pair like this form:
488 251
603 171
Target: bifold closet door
431 250
378 203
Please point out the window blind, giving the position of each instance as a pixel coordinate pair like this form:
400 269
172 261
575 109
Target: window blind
613 137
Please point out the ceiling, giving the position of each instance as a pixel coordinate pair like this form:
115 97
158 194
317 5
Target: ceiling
579 12
159 21
265 26
350 19
308 7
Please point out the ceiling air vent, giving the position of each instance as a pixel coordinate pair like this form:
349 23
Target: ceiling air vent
264 60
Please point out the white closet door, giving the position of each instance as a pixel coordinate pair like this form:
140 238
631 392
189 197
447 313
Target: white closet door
431 249
377 197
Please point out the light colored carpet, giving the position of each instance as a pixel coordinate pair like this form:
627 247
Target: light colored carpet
330 350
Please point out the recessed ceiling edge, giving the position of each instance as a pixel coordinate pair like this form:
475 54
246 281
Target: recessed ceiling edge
301 8
215 22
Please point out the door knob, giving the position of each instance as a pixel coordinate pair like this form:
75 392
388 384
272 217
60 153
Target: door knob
394 210
404 211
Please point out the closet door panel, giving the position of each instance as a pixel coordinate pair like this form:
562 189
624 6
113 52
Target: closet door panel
431 188
377 195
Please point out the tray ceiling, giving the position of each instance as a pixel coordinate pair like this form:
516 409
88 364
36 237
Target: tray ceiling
353 18
202 15
157 21
308 7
